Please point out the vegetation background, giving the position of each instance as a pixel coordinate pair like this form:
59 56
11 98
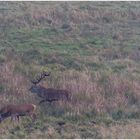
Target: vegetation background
91 49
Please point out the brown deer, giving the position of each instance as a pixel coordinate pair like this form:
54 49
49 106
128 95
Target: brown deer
49 94
17 111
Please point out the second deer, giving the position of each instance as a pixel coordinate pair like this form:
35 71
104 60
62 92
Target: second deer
12 111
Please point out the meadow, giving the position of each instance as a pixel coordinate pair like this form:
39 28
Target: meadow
91 48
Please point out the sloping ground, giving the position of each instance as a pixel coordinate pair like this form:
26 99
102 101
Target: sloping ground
91 49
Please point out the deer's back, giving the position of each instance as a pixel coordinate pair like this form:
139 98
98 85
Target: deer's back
18 108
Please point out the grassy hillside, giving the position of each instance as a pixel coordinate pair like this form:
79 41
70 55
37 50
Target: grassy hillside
91 49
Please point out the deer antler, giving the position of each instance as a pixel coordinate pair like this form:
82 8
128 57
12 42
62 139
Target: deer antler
40 77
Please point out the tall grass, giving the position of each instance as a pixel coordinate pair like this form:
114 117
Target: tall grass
98 92
15 85
91 49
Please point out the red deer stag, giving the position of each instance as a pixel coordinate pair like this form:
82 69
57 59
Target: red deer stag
17 111
49 94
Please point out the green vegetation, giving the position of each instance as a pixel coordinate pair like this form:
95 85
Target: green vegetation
91 49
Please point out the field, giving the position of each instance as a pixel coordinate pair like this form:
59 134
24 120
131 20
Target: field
91 48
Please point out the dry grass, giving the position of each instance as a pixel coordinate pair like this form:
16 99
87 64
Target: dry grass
15 85
90 92
121 131
101 93
92 50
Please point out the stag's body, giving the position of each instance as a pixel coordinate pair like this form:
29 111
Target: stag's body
18 110
51 94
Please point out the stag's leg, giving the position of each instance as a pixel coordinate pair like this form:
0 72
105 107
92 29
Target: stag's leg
14 117
42 101
18 117
48 100
32 116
